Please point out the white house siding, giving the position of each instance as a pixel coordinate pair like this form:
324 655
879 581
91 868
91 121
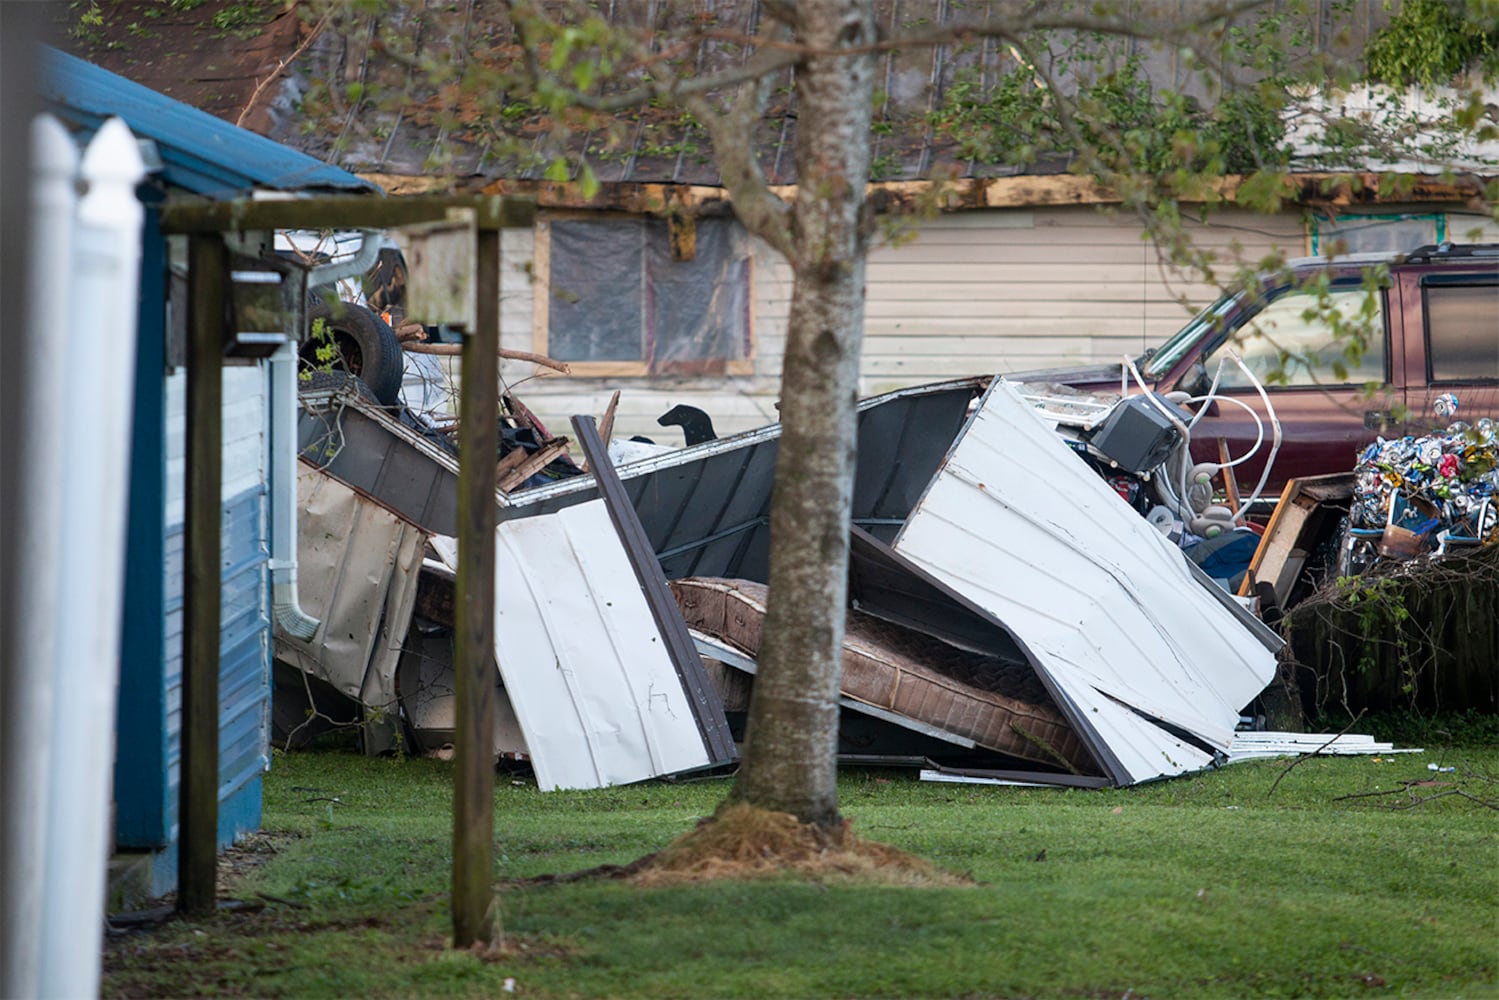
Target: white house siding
969 293
1014 289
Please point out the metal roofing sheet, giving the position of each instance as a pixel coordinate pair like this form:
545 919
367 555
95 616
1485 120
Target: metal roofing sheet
1150 661
584 663
201 153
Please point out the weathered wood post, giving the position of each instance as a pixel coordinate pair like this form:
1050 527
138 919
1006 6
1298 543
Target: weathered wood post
197 858
473 793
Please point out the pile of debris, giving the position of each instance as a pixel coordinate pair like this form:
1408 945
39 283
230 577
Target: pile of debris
995 633
1415 496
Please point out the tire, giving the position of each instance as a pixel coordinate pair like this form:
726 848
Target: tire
366 347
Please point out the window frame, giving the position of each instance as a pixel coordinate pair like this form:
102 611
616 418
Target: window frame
645 367
1317 220
1458 280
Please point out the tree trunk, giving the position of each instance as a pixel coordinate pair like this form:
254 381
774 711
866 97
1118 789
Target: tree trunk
790 758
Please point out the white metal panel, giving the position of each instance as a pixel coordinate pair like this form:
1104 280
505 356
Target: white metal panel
1257 746
582 658
244 428
1112 611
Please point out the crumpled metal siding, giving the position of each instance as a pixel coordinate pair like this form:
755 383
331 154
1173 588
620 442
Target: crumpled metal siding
1121 628
583 661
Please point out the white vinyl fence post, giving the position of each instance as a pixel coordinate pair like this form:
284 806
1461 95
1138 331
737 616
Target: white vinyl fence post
99 351
36 476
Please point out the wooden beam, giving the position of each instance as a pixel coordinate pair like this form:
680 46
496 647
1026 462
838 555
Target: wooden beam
202 215
966 193
198 807
1230 484
531 464
474 666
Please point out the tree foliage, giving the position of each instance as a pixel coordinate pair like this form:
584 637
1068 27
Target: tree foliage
1433 42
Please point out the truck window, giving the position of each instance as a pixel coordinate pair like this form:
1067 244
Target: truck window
1462 332
1202 326
1290 342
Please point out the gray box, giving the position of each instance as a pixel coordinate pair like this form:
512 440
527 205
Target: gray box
1136 435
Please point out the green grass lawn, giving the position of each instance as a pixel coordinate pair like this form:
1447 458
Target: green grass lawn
1198 887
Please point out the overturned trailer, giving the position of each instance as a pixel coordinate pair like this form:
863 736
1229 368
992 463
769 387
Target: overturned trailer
1011 616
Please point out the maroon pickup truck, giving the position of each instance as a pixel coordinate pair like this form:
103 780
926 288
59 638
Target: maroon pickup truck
1439 313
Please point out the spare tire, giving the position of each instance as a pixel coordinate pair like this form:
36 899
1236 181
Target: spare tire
364 345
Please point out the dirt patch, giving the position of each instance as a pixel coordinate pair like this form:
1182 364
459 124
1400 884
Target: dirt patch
743 842
212 56
246 855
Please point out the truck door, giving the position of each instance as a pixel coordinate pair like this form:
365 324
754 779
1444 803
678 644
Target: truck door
1451 319
1331 393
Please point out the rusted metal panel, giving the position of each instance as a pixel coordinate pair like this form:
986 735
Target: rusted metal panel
997 705
358 566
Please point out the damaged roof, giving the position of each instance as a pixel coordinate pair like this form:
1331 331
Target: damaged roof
344 97
1070 642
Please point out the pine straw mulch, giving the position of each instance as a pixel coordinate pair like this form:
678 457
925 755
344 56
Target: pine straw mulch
743 842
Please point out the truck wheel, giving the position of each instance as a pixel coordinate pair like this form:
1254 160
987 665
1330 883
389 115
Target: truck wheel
364 345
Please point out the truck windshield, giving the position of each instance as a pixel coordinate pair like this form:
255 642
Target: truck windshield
1202 325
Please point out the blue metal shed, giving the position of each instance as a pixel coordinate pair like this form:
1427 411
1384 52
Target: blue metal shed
200 155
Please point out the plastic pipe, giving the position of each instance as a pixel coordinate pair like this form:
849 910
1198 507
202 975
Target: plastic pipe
285 605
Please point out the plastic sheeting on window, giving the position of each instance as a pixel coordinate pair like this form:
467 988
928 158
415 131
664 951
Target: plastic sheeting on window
617 295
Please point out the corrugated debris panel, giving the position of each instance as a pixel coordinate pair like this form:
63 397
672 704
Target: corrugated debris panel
358 565
583 660
909 674
1149 665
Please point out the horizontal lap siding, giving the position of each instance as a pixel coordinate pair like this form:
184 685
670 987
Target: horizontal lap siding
1009 290
967 293
244 626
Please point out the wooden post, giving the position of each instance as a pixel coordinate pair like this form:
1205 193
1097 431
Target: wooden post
473 793
199 790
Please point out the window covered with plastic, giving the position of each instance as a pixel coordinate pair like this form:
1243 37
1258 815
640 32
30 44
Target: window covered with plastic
619 297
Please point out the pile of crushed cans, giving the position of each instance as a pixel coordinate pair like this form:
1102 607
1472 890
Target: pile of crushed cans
1431 495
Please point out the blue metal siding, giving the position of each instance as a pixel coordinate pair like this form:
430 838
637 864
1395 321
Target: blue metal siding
201 153
244 666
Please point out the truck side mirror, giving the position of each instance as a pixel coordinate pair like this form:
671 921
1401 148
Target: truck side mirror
1195 381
